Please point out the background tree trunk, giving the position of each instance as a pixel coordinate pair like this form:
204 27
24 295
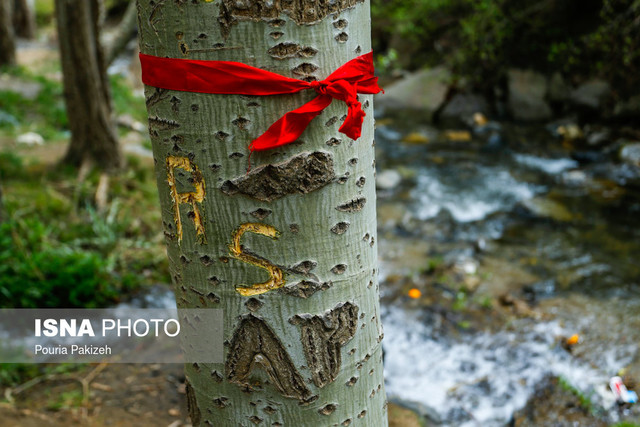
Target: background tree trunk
3 212
307 353
7 36
24 19
86 86
124 33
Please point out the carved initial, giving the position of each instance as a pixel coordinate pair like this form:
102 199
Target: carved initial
276 276
191 197
322 339
255 345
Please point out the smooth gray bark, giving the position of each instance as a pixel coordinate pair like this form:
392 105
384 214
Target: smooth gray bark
288 251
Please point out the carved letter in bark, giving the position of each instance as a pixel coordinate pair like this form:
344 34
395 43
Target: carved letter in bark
190 197
322 338
276 277
254 343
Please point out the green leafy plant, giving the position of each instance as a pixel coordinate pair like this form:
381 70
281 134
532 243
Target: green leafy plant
36 274
481 39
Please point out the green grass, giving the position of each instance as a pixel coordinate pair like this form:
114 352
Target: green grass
45 114
57 250
485 302
65 400
12 374
434 263
44 12
461 301
585 401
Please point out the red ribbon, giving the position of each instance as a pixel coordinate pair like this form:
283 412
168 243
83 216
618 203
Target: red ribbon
235 78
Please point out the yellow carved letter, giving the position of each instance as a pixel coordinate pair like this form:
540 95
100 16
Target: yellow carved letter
276 279
191 197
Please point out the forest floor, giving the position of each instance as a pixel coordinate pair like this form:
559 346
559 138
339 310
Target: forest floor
116 395
100 395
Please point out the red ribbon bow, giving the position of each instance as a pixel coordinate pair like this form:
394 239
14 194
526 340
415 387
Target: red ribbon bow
235 78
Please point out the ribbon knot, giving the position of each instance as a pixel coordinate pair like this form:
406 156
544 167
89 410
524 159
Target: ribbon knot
234 78
320 87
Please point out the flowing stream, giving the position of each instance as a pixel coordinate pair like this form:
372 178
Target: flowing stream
531 222
519 214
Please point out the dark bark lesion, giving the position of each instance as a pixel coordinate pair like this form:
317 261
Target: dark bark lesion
291 50
340 228
306 69
328 409
351 206
261 213
305 288
300 174
253 304
339 269
300 11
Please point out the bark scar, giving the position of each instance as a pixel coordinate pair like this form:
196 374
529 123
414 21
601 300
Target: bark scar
300 174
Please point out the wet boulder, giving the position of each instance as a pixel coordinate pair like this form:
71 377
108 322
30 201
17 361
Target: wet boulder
388 179
461 109
591 95
424 90
630 153
527 91
558 91
598 138
627 109
406 413
543 207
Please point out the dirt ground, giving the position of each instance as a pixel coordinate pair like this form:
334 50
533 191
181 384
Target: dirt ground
101 395
116 395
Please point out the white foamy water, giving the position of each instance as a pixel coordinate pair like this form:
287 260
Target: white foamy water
483 379
550 166
468 196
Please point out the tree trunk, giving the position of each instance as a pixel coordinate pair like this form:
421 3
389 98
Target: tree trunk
86 86
24 19
7 36
303 347
3 212
124 33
